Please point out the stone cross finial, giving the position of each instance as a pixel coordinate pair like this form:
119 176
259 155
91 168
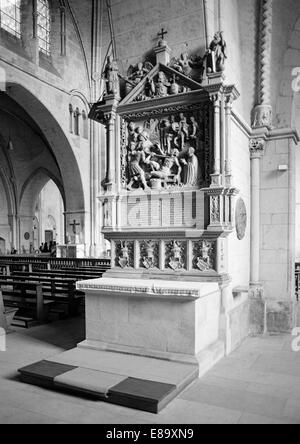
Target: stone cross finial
162 34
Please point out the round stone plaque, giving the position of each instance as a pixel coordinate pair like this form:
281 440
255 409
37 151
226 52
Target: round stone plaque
241 219
27 236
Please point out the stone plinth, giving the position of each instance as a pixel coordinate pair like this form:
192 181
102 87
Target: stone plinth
160 319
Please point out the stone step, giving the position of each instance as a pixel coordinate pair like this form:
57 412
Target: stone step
132 381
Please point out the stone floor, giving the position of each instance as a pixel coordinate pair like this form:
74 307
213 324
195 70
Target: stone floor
259 383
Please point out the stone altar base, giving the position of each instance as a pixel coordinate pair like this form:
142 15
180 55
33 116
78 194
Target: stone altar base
146 342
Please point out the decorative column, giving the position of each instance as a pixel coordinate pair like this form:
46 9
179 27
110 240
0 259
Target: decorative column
257 149
262 115
216 176
257 304
228 170
110 153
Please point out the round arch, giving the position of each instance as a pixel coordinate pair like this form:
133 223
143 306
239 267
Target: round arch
34 185
57 141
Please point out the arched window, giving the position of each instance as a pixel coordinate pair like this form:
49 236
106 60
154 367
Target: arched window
10 16
76 122
85 125
71 114
43 26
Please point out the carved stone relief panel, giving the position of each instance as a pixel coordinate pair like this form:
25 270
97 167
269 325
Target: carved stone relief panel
149 254
175 255
124 254
166 150
204 255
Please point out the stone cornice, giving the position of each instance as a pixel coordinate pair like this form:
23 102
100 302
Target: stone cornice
265 133
284 133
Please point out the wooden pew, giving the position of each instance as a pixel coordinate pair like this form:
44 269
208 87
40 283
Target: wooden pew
62 291
24 295
8 267
6 315
77 276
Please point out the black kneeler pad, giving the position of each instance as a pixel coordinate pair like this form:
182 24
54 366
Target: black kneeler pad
143 395
43 373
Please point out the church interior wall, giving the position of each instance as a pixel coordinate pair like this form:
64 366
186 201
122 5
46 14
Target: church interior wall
239 256
182 19
275 220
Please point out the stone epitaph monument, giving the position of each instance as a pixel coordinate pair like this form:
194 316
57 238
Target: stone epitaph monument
167 211
167 208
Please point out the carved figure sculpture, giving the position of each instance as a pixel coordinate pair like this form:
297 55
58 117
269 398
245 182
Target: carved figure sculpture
183 130
136 74
183 64
176 260
162 85
217 54
149 260
137 157
166 170
111 76
124 257
204 262
191 168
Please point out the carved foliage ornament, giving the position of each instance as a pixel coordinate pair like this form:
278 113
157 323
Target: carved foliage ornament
257 147
215 209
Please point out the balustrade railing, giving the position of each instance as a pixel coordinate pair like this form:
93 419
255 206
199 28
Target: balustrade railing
57 263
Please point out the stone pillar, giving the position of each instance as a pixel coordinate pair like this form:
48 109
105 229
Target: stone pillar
97 240
228 170
216 176
262 114
257 306
110 153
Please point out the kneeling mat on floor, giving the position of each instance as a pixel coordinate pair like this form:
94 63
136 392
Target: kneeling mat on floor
87 381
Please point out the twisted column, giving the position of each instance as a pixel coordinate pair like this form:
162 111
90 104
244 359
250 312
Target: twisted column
263 111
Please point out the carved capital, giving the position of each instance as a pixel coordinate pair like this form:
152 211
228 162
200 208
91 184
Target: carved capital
109 118
216 100
257 148
256 291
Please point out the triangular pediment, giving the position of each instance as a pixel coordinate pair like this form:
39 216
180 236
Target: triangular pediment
156 85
